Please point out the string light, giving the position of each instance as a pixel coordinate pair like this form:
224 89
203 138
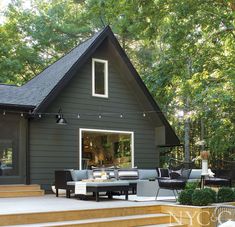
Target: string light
78 115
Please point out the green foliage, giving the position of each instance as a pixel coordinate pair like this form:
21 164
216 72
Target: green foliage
185 53
201 197
192 185
185 197
212 194
225 194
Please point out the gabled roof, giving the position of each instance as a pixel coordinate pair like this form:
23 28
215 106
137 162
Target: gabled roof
34 92
38 93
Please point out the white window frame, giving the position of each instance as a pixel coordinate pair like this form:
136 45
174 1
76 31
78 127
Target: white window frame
105 95
81 130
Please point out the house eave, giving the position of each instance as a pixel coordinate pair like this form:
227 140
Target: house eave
7 106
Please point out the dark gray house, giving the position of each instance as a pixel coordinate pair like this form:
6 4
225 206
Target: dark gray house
89 108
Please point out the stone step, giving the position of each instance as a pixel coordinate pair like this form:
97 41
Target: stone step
124 221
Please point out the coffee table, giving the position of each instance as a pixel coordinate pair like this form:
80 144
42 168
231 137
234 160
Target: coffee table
108 187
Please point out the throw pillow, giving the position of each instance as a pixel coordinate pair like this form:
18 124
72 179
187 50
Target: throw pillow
128 174
163 172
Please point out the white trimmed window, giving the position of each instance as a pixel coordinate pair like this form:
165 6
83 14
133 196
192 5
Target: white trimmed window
99 78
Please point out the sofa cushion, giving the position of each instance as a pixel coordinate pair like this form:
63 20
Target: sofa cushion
195 174
186 173
145 174
128 174
78 175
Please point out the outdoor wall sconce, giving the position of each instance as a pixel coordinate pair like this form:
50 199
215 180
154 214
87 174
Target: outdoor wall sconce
60 119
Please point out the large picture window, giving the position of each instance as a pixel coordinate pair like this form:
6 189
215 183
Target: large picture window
100 78
106 148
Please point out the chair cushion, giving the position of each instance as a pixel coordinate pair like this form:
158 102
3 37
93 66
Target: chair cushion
163 172
168 183
145 174
175 175
128 174
78 175
217 181
195 174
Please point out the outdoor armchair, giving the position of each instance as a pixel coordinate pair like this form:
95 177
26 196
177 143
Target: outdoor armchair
177 179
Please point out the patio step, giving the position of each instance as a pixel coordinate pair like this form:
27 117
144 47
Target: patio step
84 215
124 221
166 225
18 187
20 190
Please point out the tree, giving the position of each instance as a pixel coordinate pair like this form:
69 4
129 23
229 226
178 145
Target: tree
184 52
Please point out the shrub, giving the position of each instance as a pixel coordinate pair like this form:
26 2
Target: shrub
225 195
201 197
185 197
192 185
212 195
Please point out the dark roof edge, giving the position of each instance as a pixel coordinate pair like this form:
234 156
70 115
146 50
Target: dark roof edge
66 78
9 85
15 106
141 84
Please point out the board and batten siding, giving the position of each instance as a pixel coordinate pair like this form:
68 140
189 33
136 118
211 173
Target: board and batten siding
54 146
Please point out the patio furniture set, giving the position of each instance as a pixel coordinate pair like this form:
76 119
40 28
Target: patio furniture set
142 182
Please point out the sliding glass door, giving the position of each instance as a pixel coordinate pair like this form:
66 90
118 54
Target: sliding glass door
12 150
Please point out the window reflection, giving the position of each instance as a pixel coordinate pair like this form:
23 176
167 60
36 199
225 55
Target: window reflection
9 163
108 149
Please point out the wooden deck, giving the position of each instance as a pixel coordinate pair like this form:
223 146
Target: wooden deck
49 210
20 190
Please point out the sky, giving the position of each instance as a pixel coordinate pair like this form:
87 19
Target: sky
4 4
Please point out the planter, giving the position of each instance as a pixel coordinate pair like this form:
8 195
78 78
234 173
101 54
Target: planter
190 215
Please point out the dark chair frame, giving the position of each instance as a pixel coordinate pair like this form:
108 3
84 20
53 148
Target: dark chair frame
175 184
61 179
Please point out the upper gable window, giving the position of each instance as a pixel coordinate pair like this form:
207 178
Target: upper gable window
100 78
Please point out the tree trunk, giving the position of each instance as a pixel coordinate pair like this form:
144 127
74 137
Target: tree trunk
202 134
186 132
